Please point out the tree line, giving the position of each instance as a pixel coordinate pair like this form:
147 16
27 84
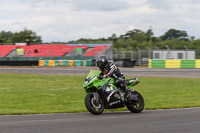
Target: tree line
175 39
8 37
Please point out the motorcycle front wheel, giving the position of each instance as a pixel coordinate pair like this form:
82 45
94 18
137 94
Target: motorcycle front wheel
136 106
93 106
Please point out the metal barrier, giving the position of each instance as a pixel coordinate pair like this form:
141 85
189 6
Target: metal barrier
174 63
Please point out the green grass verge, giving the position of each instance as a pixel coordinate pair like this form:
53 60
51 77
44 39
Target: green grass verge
30 94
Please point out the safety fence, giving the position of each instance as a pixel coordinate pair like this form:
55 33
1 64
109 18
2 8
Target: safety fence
174 63
66 63
46 58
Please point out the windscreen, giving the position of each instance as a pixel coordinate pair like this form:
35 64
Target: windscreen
93 73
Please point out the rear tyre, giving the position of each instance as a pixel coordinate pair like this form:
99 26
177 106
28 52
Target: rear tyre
92 105
136 106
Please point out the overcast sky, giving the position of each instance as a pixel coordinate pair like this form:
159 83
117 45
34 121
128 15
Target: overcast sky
66 20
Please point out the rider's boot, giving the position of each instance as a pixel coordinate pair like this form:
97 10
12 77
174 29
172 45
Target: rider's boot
127 92
123 87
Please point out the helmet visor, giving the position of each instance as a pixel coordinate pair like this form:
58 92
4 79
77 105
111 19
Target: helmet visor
100 64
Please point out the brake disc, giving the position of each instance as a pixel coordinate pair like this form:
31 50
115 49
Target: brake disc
95 104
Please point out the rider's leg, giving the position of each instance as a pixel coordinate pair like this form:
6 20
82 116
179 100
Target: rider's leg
123 87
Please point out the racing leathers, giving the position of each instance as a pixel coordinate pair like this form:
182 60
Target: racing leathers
112 70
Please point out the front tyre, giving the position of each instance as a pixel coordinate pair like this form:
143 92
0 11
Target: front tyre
93 106
136 106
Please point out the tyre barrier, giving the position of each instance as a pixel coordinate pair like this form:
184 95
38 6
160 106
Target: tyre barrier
18 63
67 63
174 63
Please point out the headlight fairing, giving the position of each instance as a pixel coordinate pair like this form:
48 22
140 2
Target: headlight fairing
88 80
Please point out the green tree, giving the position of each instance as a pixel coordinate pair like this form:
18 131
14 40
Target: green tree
175 39
21 36
176 34
2 40
137 35
5 37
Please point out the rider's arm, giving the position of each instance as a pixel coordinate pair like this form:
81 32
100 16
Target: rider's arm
100 76
113 69
102 73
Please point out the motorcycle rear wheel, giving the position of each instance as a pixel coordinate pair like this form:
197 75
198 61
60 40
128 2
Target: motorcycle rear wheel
92 106
133 106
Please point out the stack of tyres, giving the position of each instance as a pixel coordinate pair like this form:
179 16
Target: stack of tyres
78 63
84 62
57 63
51 63
65 63
41 63
46 63
88 62
71 63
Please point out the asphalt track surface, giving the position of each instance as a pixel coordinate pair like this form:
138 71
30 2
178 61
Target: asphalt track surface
149 121
135 72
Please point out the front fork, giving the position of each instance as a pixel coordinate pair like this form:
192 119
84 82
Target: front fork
96 97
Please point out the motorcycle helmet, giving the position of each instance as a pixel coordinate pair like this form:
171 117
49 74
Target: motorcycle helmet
102 61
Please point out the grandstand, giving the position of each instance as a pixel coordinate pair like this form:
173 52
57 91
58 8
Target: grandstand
6 49
24 53
51 50
96 50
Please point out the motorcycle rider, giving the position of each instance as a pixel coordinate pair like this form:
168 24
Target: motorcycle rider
109 69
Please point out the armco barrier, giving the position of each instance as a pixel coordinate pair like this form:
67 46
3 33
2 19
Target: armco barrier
187 63
66 63
197 63
157 63
174 64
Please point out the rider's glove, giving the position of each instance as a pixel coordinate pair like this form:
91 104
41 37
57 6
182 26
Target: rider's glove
105 76
100 77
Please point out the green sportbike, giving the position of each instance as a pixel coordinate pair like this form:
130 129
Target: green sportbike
103 94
